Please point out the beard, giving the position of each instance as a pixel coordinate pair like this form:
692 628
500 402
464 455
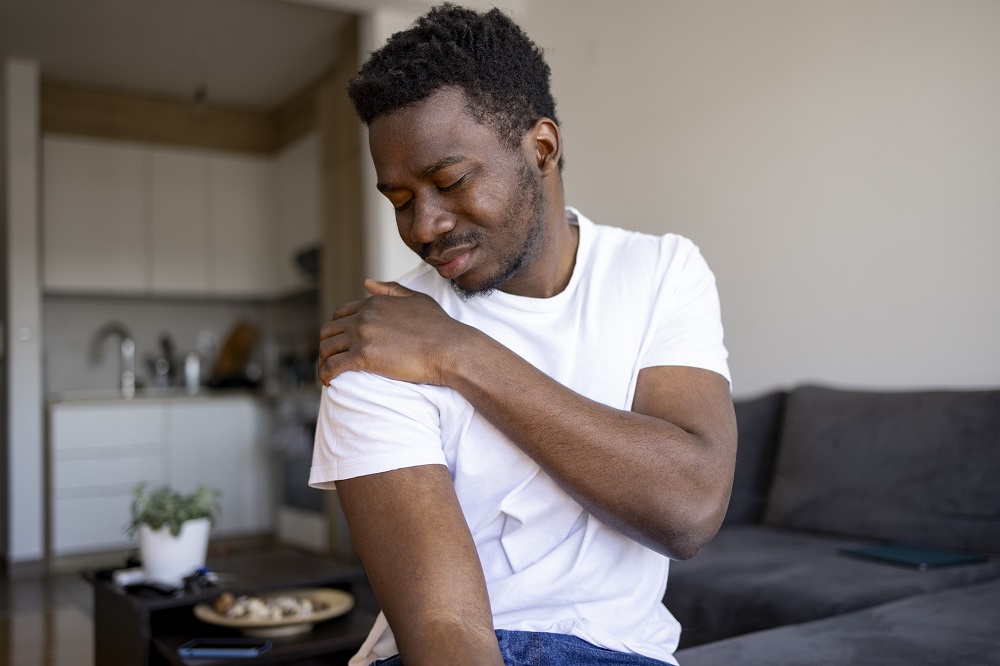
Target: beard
530 205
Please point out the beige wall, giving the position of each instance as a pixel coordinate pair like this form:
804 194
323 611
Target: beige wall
838 162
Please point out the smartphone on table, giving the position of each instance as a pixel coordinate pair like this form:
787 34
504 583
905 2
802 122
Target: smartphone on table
224 648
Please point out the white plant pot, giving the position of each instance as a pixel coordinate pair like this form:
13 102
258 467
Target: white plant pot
169 559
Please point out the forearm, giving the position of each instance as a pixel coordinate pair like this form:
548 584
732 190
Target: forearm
448 642
642 473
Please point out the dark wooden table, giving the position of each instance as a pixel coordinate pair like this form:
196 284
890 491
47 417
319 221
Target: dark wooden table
146 629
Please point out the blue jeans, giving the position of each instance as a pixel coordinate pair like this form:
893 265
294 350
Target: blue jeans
528 648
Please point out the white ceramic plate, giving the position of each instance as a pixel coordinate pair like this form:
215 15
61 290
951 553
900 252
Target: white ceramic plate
337 602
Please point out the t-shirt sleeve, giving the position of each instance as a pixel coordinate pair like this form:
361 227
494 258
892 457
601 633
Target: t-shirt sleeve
687 326
369 424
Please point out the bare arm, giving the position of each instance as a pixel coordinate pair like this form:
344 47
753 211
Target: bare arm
661 473
409 530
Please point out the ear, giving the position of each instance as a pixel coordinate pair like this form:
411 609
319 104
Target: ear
546 144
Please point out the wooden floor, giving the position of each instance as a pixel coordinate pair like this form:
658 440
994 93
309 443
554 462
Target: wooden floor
46 622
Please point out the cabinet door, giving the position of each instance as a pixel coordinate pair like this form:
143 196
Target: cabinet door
93 231
99 452
298 210
90 523
221 443
242 226
178 206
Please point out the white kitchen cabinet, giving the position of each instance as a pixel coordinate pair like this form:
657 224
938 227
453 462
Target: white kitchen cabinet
178 194
223 444
94 201
134 219
101 450
298 210
242 230
98 453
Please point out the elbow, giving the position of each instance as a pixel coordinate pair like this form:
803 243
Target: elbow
685 545
691 530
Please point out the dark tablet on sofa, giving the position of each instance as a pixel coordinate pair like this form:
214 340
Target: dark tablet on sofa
914 555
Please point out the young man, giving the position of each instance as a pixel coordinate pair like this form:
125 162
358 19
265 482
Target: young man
523 430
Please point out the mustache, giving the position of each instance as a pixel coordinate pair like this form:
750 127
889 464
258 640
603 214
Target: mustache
450 241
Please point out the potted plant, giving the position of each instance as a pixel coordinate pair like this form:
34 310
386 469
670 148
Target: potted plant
173 530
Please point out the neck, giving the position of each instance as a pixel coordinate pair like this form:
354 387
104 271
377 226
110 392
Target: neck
552 269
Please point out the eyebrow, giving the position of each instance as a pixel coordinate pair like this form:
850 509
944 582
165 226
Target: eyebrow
427 171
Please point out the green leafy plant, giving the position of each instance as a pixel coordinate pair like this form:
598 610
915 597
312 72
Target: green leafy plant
166 506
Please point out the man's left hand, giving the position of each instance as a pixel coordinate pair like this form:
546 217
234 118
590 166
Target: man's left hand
396 333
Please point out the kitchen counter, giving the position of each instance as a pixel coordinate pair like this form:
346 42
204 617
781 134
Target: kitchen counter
179 393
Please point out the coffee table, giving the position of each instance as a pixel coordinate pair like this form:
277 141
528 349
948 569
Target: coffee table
146 629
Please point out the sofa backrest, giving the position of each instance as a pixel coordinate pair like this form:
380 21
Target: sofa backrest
918 466
759 422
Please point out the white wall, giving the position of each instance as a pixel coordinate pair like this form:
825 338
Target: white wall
386 257
838 162
24 368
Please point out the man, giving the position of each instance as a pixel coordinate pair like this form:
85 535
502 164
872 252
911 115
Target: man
523 430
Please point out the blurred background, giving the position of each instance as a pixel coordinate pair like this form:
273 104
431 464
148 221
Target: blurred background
188 175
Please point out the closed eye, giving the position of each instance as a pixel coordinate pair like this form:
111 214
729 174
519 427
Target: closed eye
454 185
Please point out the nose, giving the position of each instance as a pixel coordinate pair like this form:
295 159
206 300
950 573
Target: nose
430 220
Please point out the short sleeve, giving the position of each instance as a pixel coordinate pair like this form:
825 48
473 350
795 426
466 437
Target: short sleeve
687 327
369 424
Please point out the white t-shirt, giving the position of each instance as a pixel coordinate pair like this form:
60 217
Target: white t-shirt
634 301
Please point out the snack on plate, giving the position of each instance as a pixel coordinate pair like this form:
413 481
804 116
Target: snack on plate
224 603
267 609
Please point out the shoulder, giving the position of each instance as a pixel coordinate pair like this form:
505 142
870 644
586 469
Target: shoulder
637 251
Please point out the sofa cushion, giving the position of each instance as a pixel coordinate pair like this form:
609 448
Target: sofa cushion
758 421
956 626
918 466
754 577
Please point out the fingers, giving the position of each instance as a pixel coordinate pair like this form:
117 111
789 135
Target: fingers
360 326
334 341
327 369
332 356
376 288
348 309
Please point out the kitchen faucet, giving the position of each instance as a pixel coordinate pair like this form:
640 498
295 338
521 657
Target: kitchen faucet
127 347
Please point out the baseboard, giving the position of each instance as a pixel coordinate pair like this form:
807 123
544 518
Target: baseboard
24 570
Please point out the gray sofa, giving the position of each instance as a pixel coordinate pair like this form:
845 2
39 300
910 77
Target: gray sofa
819 470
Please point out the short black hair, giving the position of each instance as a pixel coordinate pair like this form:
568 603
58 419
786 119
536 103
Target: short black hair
489 57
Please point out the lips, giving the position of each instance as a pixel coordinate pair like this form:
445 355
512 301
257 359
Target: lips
453 263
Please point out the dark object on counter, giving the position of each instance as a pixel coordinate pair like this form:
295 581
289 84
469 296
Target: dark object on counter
308 262
233 366
232 383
